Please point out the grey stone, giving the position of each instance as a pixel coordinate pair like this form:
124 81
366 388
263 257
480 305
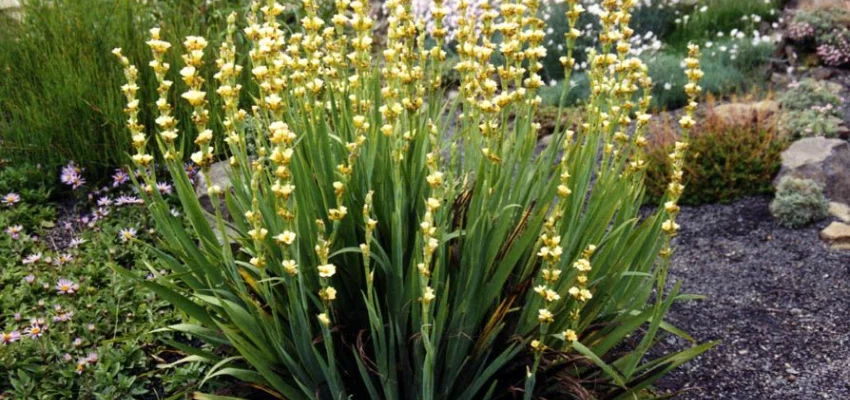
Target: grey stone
218 176
825 161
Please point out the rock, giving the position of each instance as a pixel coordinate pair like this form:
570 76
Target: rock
780 79
822 4
823 73
745 113
840 211
218 176
825 161
836 234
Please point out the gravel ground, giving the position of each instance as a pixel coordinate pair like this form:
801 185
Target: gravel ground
778 300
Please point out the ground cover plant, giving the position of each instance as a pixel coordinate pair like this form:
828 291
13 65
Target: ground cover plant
811 108
822 35
380 249
732 155
70 326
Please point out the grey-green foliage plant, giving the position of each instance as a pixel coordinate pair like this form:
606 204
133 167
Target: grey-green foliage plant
372 257
811 108
799 202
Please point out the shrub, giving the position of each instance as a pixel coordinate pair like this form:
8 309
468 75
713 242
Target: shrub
57 91
811 108
731 156
380 250
799 202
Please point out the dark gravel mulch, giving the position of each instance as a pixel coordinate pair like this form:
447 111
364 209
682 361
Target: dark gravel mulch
778 300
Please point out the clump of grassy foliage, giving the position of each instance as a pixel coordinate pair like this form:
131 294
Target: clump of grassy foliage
731 156
57 90
380 250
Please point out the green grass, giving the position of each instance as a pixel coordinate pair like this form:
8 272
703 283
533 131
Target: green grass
58 79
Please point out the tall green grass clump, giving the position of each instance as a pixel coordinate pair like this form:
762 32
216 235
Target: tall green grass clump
381 248
57 91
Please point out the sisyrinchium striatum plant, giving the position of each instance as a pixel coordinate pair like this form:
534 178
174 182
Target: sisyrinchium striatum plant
388 241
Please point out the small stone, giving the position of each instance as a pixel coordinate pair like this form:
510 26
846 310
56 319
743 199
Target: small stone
823 73
839 210
792 371
836 233
742 352
792 378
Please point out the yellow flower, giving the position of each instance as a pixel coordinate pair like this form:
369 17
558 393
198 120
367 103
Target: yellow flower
291 267
545 316
582 265
686 122
327 270
194 97
258 234
328 293
435 179
286 237
580 294
336 214
428 296
323 318
669 227
570 336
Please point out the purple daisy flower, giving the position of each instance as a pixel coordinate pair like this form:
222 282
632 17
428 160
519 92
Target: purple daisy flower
119 178
127 234
65 286
11 199
35 331
10 337
14 231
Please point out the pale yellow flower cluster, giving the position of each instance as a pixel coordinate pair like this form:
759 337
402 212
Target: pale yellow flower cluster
137 130
326 271
580 292
550 252
675 188
229 90
197 98
165 121
617 77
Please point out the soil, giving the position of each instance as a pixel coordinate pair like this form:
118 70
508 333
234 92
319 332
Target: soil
777 299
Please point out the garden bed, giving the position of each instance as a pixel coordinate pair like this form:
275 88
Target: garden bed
777 300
